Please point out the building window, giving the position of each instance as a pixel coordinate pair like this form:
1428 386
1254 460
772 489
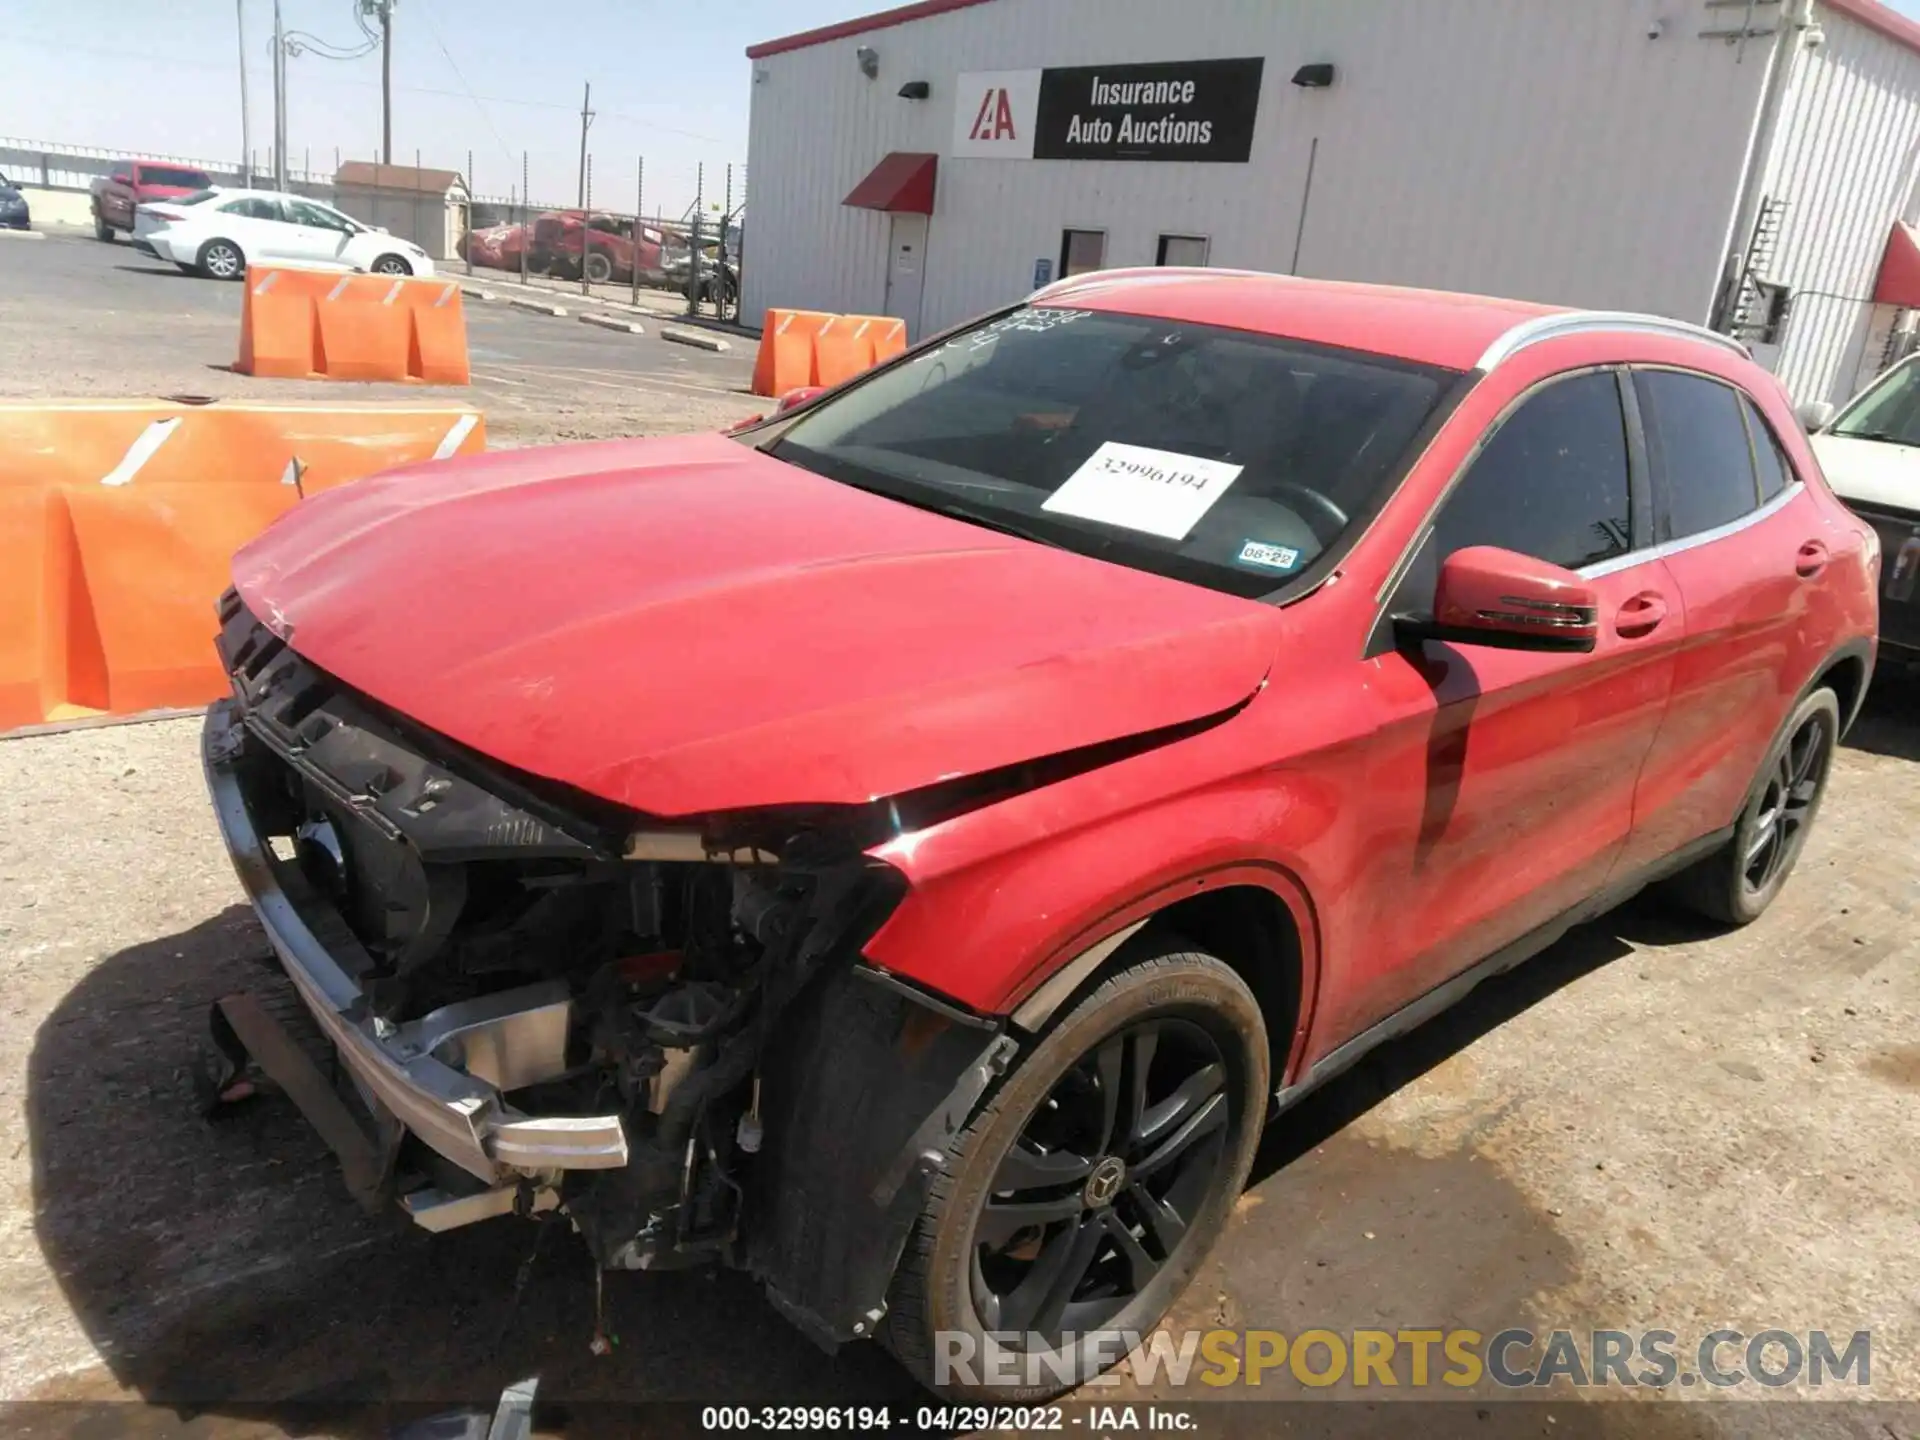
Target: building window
1181 250
1081 251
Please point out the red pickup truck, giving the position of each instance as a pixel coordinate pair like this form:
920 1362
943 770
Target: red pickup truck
135 182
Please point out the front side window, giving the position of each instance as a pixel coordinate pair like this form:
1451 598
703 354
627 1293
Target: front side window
1889 410
1698 440
1219 456
1552 483
305 212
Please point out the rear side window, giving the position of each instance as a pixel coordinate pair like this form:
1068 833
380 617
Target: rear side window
1551 483
1699 443
1769 460
254 207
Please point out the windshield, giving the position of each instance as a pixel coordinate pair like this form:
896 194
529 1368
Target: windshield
1889 409
168 175
1218 456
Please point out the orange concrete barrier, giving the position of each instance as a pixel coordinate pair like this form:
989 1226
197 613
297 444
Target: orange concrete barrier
785 360
328 325
118 523
849 344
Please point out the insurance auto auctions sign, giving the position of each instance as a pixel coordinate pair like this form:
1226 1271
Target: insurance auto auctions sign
1193 110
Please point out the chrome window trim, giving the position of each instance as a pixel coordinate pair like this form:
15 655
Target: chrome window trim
1688 542
1580 322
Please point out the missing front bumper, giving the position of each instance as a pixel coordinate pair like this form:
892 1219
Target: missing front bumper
404 1069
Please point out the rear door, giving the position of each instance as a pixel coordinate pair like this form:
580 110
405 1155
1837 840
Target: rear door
1744 541
256 224
1504 783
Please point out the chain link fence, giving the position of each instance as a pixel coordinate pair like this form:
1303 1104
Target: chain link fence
612 238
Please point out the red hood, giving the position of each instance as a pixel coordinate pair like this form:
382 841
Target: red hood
687 626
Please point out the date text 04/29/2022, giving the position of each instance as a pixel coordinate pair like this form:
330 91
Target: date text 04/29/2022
948 1419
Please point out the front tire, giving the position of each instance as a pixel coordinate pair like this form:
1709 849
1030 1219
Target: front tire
102 230
1083 1198
599 269
222 260
391 265
1736 883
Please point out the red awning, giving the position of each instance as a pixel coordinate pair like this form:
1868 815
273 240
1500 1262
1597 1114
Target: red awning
902 181
1899 282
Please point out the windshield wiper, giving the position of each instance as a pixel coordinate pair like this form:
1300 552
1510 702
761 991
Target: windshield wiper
1885 437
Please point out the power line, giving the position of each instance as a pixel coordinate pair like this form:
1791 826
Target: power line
460 75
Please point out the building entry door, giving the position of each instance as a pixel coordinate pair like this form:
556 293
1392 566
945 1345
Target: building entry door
906 268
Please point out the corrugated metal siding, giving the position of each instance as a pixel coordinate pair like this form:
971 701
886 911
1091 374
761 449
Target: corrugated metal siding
1844 161
1547 151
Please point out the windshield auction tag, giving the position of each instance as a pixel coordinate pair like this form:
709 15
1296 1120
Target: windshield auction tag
1156 491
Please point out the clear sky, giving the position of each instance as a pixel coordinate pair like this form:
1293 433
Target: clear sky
497 77
670 81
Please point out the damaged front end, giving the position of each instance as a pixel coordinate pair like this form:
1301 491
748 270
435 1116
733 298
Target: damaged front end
543 1002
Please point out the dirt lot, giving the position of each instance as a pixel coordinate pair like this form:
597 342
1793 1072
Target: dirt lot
83 318
1650 1126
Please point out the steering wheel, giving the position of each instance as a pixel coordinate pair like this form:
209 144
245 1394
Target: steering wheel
1314 508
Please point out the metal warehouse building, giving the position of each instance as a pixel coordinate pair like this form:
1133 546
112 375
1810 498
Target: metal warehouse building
1742 163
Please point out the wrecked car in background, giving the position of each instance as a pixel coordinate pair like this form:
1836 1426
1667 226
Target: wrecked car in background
906 847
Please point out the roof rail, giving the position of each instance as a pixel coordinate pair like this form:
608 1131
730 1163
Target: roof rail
1574 322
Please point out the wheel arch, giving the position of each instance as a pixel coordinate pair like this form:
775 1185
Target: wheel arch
1256 918
1847 672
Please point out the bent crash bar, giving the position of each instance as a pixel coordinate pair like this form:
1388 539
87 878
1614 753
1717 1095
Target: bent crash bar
454 1111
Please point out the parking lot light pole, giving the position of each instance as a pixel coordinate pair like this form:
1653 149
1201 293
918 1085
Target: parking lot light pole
246 135
279 100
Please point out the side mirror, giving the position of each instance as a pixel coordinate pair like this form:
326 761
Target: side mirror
1816 415
1488 596
800 395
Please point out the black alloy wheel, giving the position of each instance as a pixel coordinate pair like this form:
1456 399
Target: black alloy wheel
1785 803
1099 1189
1735 884
1086 1193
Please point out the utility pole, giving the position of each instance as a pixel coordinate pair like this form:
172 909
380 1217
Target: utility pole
386 82
586 119
246 136
279 100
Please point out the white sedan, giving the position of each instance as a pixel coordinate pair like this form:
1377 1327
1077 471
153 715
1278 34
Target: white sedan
220 232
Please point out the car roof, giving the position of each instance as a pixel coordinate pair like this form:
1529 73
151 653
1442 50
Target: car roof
1431 327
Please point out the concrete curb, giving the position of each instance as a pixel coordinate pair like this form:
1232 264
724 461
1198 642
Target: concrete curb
696 340
610 322
539 307
22 235
477 293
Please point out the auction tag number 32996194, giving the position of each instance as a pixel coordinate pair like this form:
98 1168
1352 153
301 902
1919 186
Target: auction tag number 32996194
1156 491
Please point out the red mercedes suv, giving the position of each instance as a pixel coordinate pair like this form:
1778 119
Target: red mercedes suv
909 847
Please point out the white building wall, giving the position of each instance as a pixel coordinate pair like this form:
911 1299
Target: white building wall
1547 151
1845 161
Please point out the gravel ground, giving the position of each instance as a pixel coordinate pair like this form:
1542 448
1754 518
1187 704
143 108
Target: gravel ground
1648 1126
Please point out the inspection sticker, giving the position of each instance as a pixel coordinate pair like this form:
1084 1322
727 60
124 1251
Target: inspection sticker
1268 557
1157 491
